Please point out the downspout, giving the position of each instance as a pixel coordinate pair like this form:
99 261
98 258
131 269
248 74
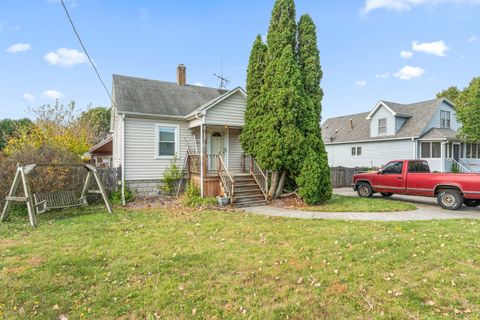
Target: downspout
442 150
201 159
123 160
415 148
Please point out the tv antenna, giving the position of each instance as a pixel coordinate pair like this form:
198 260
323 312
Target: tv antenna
223 80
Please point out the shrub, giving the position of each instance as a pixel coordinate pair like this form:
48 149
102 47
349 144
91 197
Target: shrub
116 196
192 198
171 176
314 181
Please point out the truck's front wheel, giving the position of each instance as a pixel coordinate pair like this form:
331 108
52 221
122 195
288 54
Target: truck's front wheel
449 199
364 190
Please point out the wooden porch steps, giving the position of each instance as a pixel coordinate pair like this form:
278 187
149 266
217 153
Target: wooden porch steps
247 192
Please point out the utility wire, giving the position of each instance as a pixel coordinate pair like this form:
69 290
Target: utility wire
86 53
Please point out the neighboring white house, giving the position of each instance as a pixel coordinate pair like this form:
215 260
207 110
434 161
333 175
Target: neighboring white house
424 130
157 122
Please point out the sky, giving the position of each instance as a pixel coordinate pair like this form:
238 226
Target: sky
396 50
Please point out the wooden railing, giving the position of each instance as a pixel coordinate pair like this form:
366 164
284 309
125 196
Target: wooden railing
226 179
259 176
194 163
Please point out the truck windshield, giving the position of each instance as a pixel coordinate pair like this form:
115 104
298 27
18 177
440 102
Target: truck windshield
418 167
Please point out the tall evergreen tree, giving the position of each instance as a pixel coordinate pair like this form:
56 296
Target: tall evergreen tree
313 178
282 30
255 73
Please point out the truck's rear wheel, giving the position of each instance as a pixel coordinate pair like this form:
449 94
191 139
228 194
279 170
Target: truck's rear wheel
364 190
449 199
386 194
473 203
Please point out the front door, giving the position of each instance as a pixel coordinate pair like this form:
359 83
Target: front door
456 152
217 147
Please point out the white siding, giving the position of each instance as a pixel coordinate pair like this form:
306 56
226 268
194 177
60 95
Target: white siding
374 154
116 127
381 113
140 162
399 121
228 112
235 157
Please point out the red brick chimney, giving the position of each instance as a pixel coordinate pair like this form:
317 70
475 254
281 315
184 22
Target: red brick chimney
181 75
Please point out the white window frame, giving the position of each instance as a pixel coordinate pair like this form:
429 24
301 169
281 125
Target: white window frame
443 119
430 148
386 127
157 140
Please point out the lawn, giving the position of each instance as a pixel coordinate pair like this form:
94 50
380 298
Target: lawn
187 264
356 204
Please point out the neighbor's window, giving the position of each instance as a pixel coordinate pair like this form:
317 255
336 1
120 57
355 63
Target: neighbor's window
359 151
444 119
425 152
354 151
382 126
436 150
167 140
431 150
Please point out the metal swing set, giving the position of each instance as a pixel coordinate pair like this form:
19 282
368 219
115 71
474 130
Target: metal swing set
39 203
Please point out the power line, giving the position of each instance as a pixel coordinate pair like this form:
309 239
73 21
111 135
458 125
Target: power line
85 50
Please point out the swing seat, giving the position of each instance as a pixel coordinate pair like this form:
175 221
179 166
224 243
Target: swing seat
57 200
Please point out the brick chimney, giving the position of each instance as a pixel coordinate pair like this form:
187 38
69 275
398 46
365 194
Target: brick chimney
181 75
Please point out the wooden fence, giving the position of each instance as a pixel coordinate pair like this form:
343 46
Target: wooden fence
342 177
111 178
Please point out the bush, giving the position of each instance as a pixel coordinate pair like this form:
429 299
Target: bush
171 177
314 179
116 197
192 198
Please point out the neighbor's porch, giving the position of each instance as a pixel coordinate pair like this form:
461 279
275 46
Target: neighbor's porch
450 155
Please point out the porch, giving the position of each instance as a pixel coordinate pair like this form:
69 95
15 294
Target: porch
451 155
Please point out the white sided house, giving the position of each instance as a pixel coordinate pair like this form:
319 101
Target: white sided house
391 131
157 122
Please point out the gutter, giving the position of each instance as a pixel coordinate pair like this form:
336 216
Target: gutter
373 140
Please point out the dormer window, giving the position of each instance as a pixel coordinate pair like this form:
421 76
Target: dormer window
382 126
444 119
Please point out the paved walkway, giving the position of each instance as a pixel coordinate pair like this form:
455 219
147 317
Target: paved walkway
427 209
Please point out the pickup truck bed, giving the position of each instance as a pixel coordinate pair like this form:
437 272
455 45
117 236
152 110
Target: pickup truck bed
413 177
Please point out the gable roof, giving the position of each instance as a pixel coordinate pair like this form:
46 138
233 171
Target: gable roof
338 130
216 101
153 97
440 134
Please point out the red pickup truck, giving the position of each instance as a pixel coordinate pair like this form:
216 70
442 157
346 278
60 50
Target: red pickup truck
413 177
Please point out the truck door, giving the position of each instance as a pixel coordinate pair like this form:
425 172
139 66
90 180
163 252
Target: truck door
390 178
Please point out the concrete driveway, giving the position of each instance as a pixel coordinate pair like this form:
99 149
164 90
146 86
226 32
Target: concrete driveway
427 209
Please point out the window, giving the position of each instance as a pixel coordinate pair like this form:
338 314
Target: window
444 119
167 141
431 150
382 126
356 151
472 151
418 167
393 168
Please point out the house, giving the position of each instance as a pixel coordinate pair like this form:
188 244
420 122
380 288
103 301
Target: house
157 122
101 153
424 130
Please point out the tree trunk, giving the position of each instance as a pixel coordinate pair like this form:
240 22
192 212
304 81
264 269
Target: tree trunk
281 183
273 184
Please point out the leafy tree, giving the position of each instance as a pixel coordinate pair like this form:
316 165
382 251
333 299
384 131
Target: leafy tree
314 179
9 127
468 111
451 93
255 72
282 30
98 119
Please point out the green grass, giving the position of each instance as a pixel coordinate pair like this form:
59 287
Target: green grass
356 204
187 264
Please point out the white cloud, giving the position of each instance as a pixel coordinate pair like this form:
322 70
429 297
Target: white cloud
361 83
406 54
28 97
409 72
52 94
19 47
200 84
437 48
473 39
405 5
66 57
382 75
